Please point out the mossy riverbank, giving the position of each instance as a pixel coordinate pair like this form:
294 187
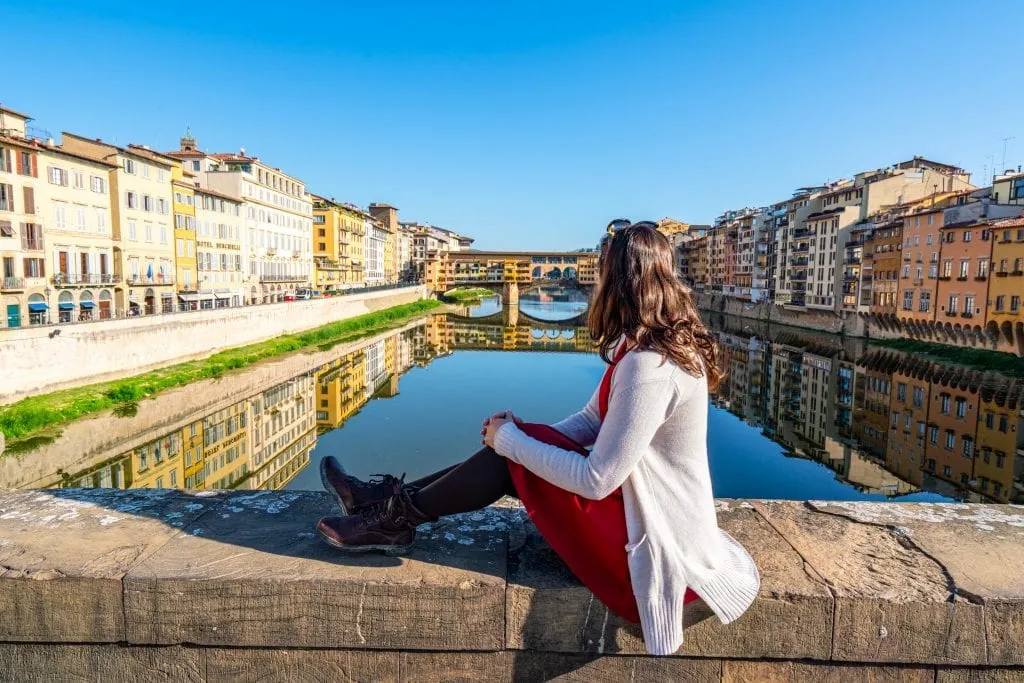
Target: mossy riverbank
469 295
981 359
33 415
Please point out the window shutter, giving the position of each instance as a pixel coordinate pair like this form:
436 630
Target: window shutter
27 265
35 167
10 198
30 200
20 168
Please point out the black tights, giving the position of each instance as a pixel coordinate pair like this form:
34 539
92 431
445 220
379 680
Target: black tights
471 485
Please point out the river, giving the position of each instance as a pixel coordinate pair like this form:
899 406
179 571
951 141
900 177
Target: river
801 415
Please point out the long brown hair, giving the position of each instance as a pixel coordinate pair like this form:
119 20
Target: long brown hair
639 296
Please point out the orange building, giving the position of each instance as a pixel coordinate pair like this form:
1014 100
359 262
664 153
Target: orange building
951 431
911 396
871 422
916 295
885 243
964 263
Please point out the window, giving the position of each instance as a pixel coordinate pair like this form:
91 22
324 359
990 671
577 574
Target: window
132 234
947 268
982 267
950 439
986 235
990 420
933 435
34 267
947 471
961 407
148 227
1014 303
57 176
98 184
132 200
928 239
1000 303
130 166
969 304
931 219
945 401
6 197
926 302
964 268
1000 459
147 202
163 234
967 235
145 170
180 243
191 249
906 272
954 303
919 400
908 300
1003 423
968 448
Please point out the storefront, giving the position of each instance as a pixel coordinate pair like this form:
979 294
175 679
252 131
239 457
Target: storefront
38 310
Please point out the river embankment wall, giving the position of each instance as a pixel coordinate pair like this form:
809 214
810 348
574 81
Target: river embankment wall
36 360
235 586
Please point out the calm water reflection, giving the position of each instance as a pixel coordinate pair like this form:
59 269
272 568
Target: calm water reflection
800 416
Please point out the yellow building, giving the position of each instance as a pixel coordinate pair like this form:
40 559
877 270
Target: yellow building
141 192
387 216
184 206
341 390
338 235
1000 436
193 465
283 431
670 226
1005 311
158 464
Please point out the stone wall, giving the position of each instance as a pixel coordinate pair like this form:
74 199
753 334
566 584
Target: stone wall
1007 338
164 585
38 359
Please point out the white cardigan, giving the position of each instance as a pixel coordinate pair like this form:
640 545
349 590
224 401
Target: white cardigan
653 443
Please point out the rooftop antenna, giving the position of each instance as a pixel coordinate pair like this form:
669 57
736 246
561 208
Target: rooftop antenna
1005 140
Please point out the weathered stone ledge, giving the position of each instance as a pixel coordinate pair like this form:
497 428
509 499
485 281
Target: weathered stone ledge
225 586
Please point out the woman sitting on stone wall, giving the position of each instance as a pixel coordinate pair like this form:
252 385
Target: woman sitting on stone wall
634 517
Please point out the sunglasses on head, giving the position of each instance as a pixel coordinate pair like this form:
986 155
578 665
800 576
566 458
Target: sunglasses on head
620 224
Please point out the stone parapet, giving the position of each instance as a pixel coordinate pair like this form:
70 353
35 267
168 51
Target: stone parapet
117 585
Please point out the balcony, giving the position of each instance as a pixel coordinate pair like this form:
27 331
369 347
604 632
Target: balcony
851 261
950 314
799 262
961 278
850 277
31 244
12 284
800 248
965 314
76 280
798 277
981 278
1001 273
801 233
283 278
135 280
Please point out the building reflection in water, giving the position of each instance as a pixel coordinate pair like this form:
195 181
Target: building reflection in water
886 422
264 440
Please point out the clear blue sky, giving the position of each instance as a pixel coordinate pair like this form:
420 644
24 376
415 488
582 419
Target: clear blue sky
532 124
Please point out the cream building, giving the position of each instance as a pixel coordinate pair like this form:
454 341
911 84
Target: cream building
376 252
141 191
277 218
74 202
220 226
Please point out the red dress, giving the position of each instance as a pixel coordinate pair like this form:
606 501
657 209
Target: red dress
589 535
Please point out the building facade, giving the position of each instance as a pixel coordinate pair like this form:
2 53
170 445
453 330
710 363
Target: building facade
220 228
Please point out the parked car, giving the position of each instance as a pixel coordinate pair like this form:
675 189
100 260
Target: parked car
303 293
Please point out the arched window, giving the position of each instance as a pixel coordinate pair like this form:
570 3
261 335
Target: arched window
65 306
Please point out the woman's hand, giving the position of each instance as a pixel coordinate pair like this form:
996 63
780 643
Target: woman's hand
494 423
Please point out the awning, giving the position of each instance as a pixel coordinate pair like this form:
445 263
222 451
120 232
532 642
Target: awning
66 306
220 295
37 307
87 304
189 297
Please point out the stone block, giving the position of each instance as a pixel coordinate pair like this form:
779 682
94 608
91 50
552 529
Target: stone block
787 672
254 574
107 663
979 549
893 602
986 675
307 666
64 552
527 666
548 609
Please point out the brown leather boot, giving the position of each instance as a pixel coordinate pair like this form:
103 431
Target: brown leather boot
353 494
388 526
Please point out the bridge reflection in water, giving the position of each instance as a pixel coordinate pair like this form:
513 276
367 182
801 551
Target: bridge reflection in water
262 441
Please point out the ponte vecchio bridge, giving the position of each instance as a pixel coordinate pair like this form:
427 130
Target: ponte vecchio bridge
508 272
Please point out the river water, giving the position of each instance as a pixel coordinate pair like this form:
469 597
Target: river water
801 415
